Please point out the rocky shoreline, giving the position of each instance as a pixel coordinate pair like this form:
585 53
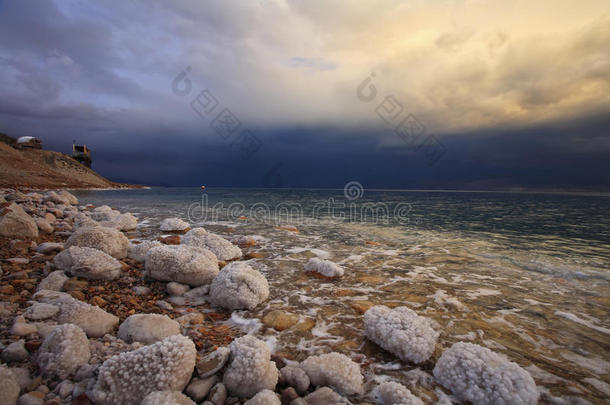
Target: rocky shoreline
90 315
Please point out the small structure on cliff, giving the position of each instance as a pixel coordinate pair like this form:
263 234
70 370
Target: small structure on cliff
29 142
81 154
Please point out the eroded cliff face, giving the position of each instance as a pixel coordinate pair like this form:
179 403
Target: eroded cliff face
34 168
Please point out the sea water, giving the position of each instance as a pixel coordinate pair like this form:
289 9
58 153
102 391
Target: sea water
524 274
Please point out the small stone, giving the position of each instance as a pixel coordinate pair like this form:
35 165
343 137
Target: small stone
65 388
192 318
295 377
75 285
32 345
213 362
169 240
141 290
22 375
22 328
362 306
323 396
99 301
79 295
49 247
299 401
54 281
176 289
85 371
198 388
9 388
15 352
280 320
40 311
165 305
63 351
147 328
289 395
218 394
31 398
305 325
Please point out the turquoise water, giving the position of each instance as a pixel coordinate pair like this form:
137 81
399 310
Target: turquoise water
524 274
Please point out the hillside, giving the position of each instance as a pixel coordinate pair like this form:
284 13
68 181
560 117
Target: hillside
34 168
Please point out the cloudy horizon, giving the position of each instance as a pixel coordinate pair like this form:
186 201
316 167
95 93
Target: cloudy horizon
393 94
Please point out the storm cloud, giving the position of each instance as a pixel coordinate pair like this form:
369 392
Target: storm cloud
507 97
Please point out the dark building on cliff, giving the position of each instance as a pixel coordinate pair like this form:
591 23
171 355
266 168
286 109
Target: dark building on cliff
82 154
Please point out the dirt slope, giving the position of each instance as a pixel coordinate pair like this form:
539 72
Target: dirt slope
33 168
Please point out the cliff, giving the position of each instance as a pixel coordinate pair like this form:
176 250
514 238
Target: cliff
34 168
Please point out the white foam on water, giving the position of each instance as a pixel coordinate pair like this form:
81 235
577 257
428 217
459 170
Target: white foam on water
597 365
247 325
543 375
599 385
323 254
441 298
574 318
482 292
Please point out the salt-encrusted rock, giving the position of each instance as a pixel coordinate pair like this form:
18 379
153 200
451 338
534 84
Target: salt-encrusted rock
92 319
222 248
48 247
323 396
84 221
54 281
88 263
250 370
69 198
22 375
63 351
211 363
295 377
335 370
129 377
104 213
393 393
44 225
107 240
167 398
199 388
39 311
16 223
239 286
265 397
9 388
147 328
60 197
324 267
138 251
476 374
183 264
15 352
401 332
123 222
22 328
176 289
174 225
64 388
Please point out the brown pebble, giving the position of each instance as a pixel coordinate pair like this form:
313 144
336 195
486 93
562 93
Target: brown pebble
32 345
288 395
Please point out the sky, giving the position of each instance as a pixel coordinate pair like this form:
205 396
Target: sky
423 94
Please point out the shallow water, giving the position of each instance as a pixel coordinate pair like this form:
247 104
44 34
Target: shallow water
526 275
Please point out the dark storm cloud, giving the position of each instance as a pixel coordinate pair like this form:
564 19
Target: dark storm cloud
513 108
